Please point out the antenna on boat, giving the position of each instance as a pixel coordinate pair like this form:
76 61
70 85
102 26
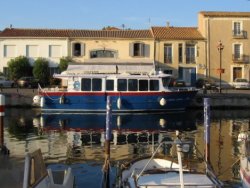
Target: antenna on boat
106 165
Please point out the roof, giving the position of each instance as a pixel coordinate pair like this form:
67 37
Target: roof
225 14
64 33
175 33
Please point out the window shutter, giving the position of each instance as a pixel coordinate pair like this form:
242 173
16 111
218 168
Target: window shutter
72 49
146 50
142 47
82 49
131 49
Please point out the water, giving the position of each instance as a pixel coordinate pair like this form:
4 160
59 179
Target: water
78 140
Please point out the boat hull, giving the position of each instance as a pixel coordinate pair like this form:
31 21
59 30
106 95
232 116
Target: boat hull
121 102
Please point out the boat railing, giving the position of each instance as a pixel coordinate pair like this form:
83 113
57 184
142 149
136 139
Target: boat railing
176 142
51 89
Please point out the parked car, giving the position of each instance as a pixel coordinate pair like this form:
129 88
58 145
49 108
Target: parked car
179 83
27 82
205 83
4 82
241 83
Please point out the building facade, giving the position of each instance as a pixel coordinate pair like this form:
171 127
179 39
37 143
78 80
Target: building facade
232 30
187 53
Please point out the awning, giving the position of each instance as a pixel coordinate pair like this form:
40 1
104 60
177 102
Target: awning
105 68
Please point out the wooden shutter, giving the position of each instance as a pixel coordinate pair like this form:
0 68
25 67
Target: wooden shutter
82 49
131 49
146 50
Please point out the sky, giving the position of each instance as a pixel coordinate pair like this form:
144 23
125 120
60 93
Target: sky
96 14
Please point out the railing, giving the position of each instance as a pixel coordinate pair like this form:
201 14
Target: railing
190 59
240 58
239 34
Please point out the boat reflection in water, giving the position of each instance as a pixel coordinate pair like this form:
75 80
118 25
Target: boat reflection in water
89 129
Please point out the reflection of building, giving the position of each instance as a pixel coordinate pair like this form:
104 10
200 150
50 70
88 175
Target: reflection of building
185 52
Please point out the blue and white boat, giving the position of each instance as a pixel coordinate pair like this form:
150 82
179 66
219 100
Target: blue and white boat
128 92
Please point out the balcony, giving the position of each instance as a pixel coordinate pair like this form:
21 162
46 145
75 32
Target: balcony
240 58
239 34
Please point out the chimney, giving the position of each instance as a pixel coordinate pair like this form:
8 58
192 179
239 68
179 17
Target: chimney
168 23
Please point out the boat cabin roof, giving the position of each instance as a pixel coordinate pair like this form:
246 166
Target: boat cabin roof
112 76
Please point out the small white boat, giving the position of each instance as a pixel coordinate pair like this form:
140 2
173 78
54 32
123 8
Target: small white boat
244 159
37 176
157 172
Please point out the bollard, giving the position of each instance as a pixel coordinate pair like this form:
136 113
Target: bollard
2 105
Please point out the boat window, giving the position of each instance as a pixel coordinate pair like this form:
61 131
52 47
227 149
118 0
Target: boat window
96 84
166 81
86 84
122 84
109 85
154 85
143 85
132 84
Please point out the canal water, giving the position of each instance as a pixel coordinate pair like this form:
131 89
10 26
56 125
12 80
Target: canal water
78 140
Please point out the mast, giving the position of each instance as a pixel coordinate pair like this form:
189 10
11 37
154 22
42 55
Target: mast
106 165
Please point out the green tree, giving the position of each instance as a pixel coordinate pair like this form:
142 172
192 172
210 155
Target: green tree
19 67
41 70
64 62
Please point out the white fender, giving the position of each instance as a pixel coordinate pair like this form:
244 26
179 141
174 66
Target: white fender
163 102
37 99
162 122
42 102
242 137
42 121
62 100
119 103
119 121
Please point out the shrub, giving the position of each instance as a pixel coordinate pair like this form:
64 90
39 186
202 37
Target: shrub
41 70
64 62
19 67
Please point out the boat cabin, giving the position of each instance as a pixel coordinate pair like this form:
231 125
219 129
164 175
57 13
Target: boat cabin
117 82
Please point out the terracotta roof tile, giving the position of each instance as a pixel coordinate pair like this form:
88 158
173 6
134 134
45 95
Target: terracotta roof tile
14 32
177 33
225 14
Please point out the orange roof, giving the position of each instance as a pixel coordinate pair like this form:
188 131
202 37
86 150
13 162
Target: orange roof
16 32
225 14
177 33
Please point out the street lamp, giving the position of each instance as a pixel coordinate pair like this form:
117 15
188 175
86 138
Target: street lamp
220 47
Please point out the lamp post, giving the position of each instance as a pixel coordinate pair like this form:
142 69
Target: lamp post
220 47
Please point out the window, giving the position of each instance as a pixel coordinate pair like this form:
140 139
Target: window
109 85
139 49
102 54
122 84
53 70
55 51
236 28
180 52
76 49
237 51
168 53
86 84
154 85
32 51
132 84
190 53
168 71
9 50
143 85
96 84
